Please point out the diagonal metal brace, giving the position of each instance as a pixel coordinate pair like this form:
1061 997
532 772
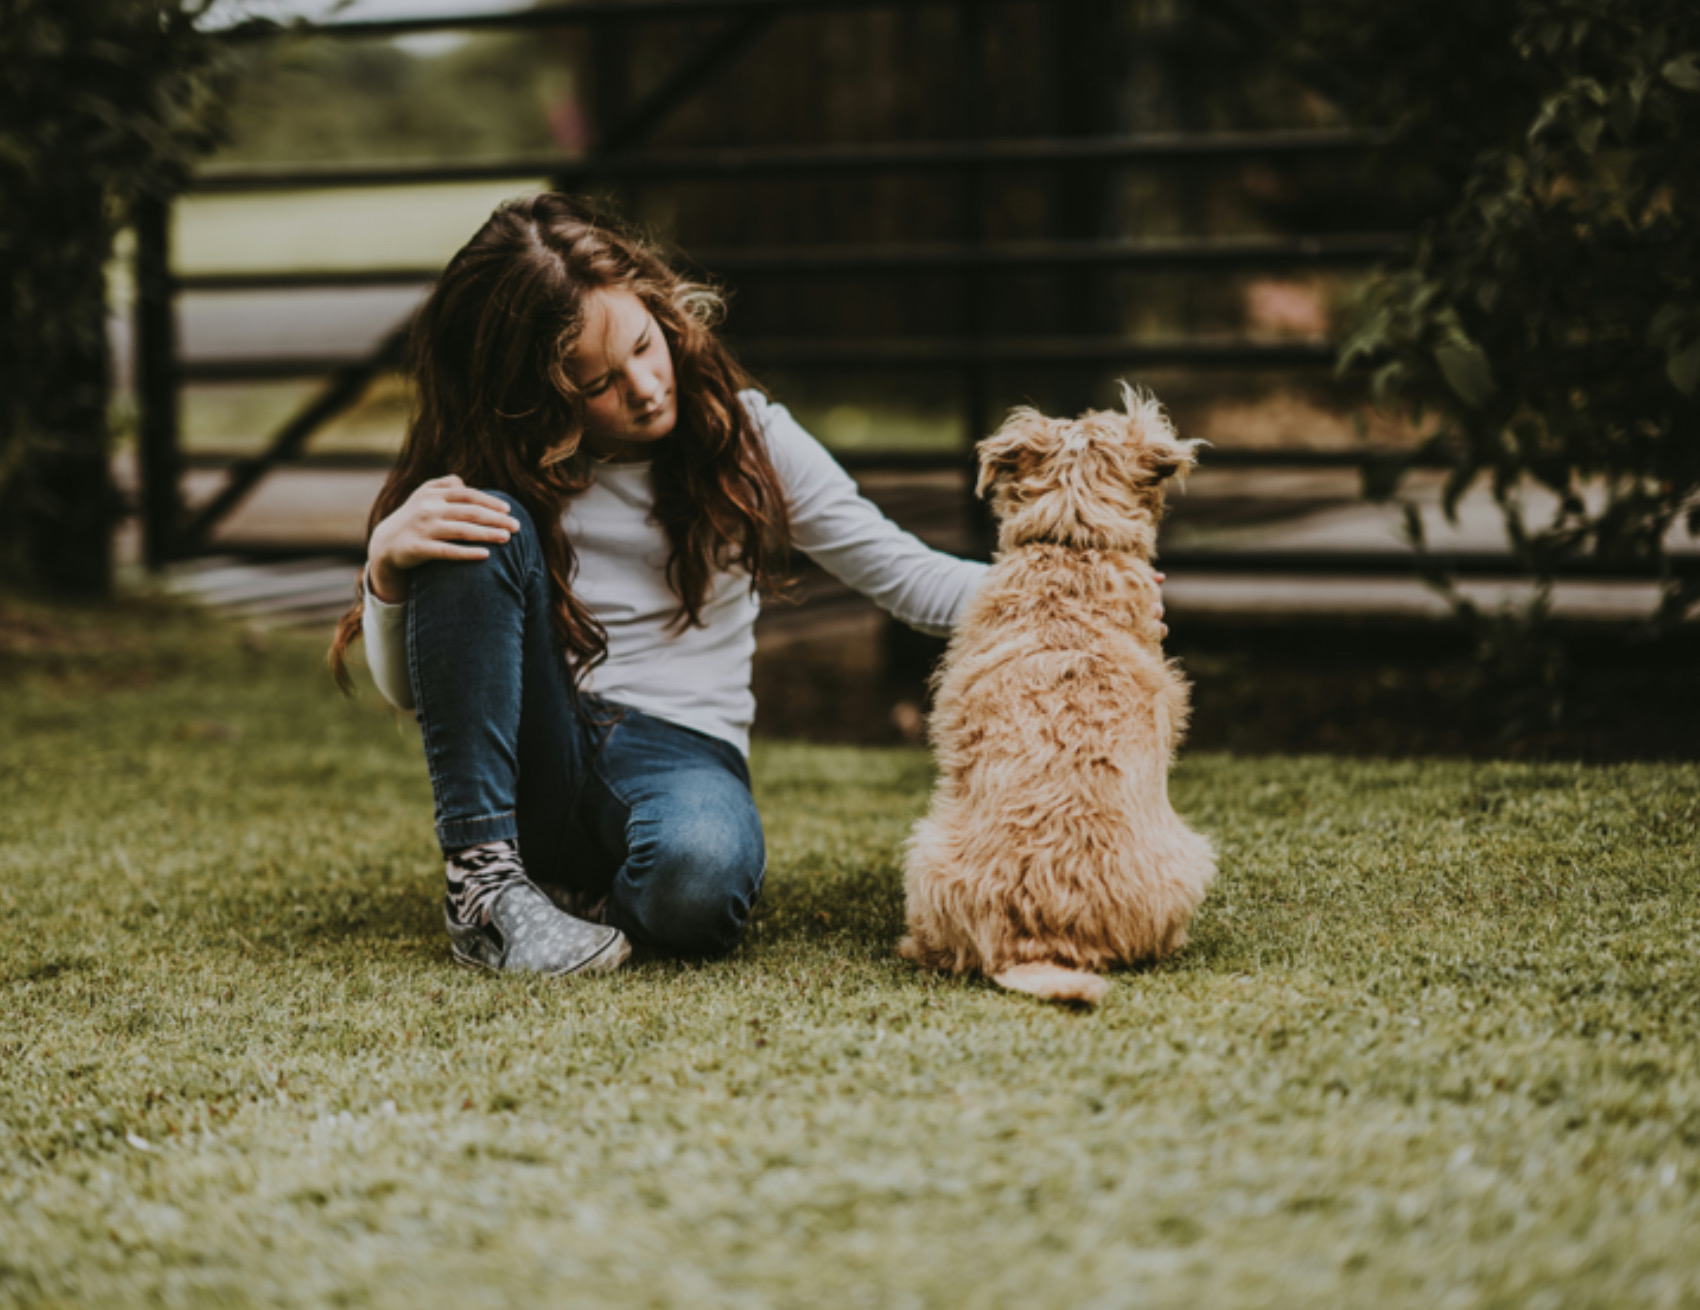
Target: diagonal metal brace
346 387
683 82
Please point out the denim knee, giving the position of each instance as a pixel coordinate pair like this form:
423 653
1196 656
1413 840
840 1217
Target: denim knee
514 508
519 556
693 879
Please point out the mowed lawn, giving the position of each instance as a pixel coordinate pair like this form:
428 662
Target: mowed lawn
1434 1043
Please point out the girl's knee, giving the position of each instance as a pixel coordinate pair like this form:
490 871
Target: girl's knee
517 510
516 558
702 881
519 545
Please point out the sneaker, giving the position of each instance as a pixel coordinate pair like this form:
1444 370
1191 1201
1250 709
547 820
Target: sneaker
527 934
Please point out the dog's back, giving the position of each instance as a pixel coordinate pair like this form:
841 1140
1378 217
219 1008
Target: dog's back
1050 847
1051 838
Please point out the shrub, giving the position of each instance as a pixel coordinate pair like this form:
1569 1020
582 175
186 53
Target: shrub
1546 330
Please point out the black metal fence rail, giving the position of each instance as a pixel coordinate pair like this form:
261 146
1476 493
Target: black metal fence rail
748 164
1496 566
578 12
1177 254
886 354
910 461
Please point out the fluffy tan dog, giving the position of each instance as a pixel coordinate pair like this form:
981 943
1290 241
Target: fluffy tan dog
1051 850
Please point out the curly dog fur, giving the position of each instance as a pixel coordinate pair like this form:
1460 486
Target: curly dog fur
1050 851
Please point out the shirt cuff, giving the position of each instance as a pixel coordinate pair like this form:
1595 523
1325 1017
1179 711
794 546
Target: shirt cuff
372 598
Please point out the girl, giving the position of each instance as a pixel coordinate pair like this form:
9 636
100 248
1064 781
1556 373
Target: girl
562 581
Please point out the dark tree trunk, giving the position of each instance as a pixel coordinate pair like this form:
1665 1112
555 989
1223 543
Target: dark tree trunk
159 462
60 503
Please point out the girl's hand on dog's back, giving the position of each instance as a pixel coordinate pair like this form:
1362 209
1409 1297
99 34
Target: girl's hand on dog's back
431 524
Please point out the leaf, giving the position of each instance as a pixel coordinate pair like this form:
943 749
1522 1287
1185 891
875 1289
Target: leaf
1683 71
1666 324
1386 381
1588 133
1625 110
1651 47
1684 368
1466 371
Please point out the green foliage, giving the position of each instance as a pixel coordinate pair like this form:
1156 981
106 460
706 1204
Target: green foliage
1433 1042
102 102
1549 321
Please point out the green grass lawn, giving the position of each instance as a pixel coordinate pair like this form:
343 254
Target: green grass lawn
1435 1043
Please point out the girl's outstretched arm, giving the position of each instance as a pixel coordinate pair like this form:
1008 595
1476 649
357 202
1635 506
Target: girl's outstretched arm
851 538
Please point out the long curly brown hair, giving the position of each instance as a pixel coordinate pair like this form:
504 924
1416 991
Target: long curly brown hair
497 406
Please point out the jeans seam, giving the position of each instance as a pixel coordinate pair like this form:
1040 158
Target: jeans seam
736 764
593 767
420 698
592 771
484 818
533 560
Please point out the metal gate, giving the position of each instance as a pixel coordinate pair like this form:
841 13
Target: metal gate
621 156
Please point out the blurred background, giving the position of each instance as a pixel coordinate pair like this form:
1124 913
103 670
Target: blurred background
923 213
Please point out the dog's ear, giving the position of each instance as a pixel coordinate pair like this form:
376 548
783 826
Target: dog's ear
1171 459
1011 449
1162 454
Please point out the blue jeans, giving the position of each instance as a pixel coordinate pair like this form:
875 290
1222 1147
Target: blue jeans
601 798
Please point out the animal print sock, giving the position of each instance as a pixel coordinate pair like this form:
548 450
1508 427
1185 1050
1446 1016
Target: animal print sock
477 875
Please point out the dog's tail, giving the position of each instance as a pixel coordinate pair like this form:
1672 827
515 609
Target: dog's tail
1054 982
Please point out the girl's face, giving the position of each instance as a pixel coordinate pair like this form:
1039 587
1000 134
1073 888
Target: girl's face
625 373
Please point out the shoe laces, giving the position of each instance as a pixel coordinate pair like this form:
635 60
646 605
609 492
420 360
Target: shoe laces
478 875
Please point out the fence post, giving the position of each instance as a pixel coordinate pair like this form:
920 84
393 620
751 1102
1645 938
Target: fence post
974 199
611 101
159 461
1087 69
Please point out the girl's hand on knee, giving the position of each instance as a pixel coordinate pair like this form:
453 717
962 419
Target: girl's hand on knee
435 522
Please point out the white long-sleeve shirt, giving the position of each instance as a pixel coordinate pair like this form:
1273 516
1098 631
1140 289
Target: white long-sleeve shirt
700 676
